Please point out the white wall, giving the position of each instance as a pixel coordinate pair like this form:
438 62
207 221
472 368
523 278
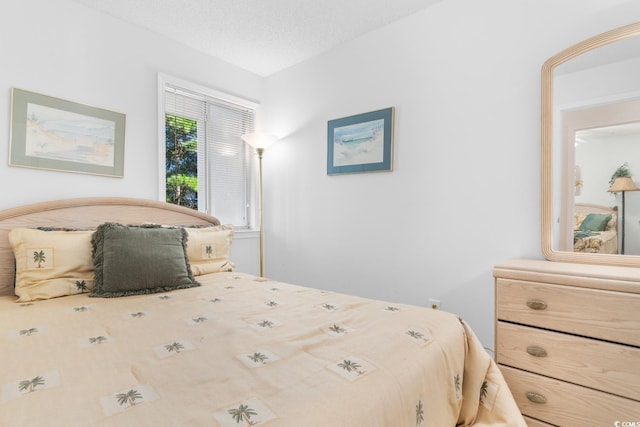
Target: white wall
464 77
599 158
63 49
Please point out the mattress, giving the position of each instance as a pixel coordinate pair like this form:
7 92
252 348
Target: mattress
241 350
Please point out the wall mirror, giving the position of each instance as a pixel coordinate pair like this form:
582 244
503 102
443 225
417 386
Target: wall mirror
590 135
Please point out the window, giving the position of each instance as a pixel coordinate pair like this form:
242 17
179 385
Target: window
205 163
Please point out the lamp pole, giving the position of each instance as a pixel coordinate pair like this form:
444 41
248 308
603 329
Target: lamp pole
260 141
622 248
260 151
622 184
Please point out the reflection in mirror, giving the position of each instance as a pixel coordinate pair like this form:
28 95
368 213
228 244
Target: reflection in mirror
599 154
598 142
590 128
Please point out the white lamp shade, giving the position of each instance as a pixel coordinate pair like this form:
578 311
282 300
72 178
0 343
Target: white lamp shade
259 139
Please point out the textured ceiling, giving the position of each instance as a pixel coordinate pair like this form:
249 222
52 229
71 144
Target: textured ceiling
262 36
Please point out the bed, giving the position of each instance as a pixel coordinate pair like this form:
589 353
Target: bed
211 346
595 229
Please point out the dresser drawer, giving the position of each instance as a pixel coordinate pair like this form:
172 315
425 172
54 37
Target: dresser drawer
609 315
605 366
567 404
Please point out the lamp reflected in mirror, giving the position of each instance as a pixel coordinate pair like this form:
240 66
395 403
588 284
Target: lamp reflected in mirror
622 184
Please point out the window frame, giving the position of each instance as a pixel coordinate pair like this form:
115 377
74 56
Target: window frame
165 79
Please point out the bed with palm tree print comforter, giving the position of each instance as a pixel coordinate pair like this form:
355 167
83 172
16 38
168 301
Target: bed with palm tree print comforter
243 351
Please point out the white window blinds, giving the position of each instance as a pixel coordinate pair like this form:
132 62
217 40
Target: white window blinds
223 158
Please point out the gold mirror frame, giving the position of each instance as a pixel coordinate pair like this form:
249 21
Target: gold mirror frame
547 222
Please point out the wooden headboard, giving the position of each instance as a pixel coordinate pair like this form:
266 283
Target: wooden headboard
87 213
587 208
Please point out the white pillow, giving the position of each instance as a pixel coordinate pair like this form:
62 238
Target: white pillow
209 248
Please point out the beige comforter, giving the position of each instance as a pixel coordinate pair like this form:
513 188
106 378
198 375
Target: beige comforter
240 351
603 242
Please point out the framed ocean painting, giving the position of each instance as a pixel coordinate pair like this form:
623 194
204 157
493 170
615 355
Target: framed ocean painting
361 143
56 134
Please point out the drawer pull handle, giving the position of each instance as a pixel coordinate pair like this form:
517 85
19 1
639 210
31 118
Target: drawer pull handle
536 304
537 351
536 397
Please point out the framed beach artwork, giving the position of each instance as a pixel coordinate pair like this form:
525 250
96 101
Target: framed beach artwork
56 134
361 143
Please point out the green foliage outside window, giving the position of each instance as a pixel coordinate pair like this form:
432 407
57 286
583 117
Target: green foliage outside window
181 162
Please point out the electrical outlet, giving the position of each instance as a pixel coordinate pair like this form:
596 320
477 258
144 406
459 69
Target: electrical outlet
435 304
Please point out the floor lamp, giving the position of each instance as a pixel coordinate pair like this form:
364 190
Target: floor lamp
260 141
623 184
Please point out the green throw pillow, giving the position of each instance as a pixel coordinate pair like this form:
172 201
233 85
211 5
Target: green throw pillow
595 222
132 260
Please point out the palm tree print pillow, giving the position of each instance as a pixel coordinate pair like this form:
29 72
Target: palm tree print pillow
51 263
209 248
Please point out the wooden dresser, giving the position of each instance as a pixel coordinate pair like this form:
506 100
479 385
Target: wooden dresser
568 341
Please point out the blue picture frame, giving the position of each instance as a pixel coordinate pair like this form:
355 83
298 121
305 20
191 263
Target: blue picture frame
361 143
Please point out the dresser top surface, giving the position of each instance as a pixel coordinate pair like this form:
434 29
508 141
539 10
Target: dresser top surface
625 279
